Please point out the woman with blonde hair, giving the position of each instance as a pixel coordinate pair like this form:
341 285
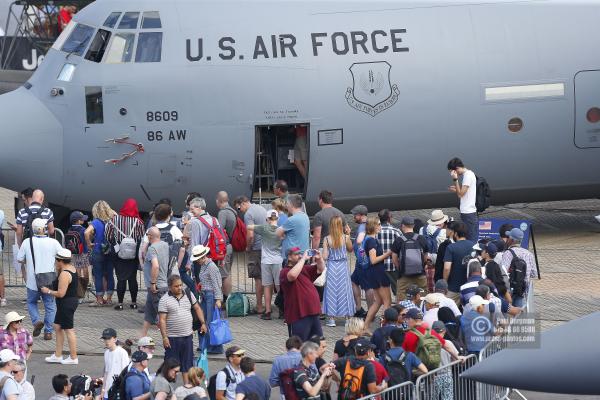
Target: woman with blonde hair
338 300
102 267
279 205
196 379
355 328
376 277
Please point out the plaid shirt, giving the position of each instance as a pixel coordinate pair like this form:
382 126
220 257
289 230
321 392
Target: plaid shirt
19 344
529 259
386 237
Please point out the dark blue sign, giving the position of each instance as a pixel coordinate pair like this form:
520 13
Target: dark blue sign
489 228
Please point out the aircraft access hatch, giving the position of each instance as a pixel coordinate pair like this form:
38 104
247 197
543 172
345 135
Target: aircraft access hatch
587 109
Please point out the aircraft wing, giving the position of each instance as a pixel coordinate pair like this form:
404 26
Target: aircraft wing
567 361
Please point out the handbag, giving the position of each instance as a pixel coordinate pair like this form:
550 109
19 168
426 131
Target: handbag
219 329
202 361
43 279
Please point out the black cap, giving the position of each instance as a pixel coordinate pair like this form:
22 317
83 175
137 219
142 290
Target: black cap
139 356
363 346
414 313
108 333
413 290
391 314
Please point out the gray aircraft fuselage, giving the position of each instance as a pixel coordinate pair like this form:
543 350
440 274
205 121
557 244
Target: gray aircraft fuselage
391 90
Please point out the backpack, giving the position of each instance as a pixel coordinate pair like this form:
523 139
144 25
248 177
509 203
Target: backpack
237 305
396 369
432 243
428 349
117 389
27 229
518 275
216 241
80 384
350 387
238 236
362 258
174 245
73 241
411 263
287 384
483 194
458 342
128 246
212 384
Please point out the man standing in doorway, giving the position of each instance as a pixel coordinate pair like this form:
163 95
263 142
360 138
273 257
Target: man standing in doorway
466 190
301 149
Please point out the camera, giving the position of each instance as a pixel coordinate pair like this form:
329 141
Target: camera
312 252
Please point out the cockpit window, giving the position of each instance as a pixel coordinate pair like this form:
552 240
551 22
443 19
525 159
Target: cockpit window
151 20
120 49
66 73
129 20
112 19
78 40
98 46
149 47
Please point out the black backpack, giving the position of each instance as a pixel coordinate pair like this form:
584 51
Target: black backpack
212 383
27 229
396 369
73 241
518 275
174 245
483 194
117 390
80 384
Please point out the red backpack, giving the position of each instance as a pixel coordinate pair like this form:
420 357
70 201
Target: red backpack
287 384
238 237
216 241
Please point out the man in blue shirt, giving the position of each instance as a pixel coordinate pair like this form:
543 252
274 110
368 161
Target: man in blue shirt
455 271
477 327
395 352
291 359
295 231
137 384
252 383
381 335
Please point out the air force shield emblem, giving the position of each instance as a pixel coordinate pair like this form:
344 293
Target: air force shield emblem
372 91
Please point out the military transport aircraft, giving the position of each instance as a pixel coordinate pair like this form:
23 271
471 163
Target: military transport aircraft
151 98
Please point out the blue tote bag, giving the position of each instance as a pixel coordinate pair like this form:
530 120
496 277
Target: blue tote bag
219 329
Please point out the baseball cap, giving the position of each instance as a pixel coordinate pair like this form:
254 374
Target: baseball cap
63 254
413 290
407 221
414 313
491 249
363 346
441 285
146 341
76 215
139 356
234 350
294 250
11 317
476 301
272 214
359 209
515 234
38 223
438 326
499 244
108 333
432 298
391 314
7 355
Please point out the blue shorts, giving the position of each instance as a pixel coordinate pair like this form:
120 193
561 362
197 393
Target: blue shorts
182 349
359 278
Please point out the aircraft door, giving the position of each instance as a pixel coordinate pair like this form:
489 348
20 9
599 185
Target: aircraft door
587 109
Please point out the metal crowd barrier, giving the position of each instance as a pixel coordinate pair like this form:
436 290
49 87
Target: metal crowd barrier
404 391
445 383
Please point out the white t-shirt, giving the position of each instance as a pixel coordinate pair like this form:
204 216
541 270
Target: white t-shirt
175 231
114 362
446 302
11 387
44 249
467 202
28 391
236 377
431 316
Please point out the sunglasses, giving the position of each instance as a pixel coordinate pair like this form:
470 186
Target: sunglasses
16 372
238 355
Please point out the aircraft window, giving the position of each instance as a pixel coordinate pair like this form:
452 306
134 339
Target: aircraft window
129 20
524 92
60 41
149 47
151 20
120 49
98 46
112 19
78 40
93 105
66 73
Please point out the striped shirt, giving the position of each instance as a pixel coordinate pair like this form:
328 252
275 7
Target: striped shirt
179 314
126 226
210 279
386 237
34 207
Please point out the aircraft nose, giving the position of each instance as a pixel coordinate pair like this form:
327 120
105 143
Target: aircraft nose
31 143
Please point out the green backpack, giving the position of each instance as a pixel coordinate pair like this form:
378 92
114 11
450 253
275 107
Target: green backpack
237 305
429 349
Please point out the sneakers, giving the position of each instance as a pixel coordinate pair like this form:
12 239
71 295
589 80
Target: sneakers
37 328
70 361
54 360
331 323
47 336
360 313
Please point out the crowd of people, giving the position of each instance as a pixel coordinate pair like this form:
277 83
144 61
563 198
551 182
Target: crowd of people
431 279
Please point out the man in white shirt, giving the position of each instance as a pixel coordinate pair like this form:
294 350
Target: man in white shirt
115 358
44 251
431 303
466 190
11 390
229 377
441 288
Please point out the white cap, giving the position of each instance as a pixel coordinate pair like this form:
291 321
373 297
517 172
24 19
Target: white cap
476 301
12 316
7 355
38 224
64 253
146 341
272 214
433 298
